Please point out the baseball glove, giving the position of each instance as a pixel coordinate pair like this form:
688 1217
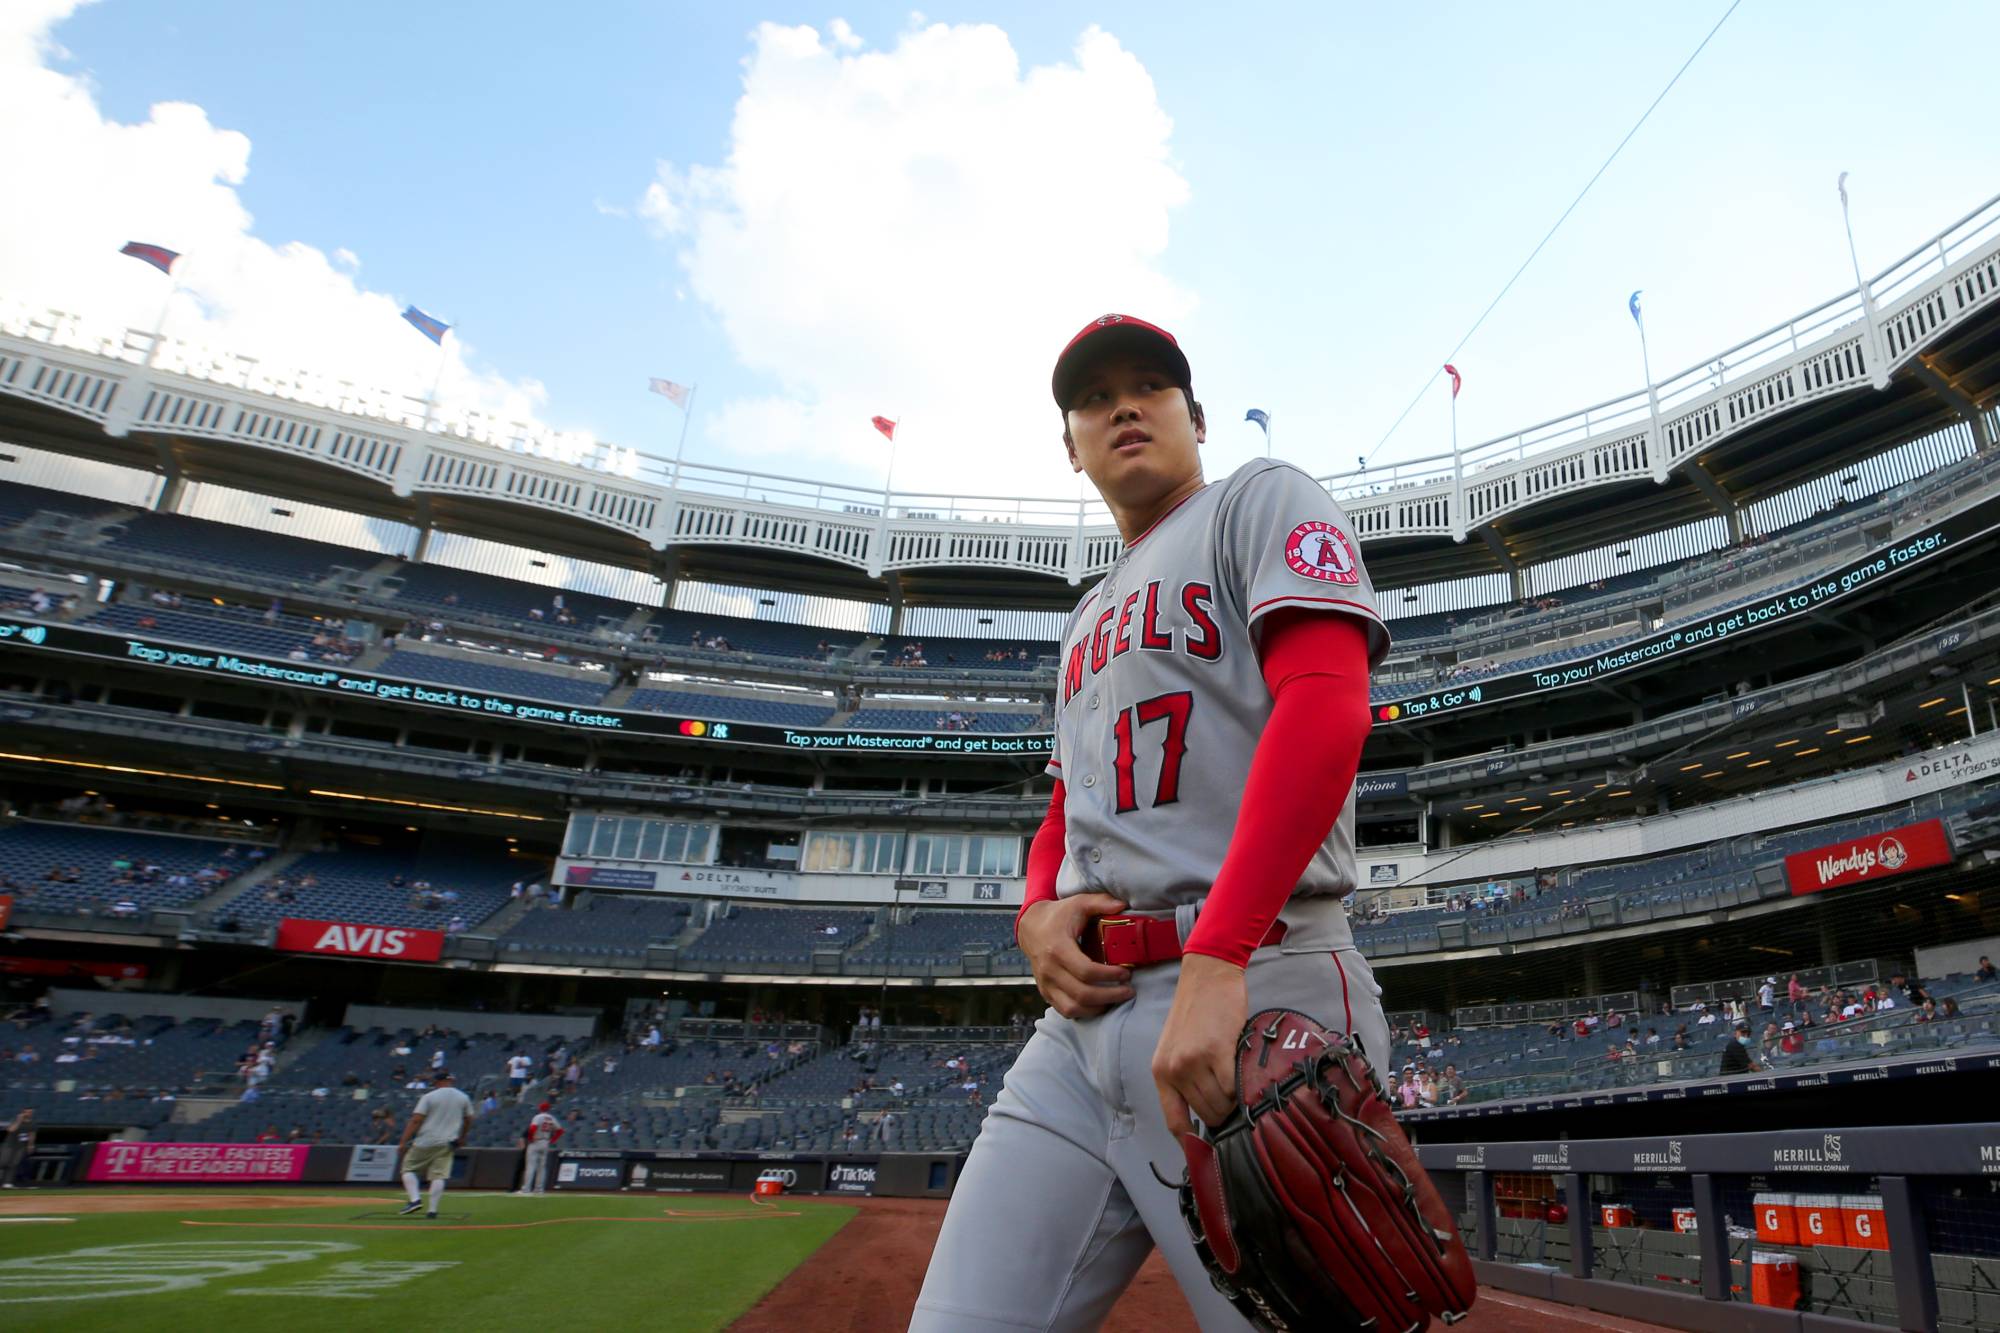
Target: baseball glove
1307 1205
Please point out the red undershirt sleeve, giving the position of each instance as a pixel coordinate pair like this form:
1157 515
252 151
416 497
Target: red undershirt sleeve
1045 856
1302 774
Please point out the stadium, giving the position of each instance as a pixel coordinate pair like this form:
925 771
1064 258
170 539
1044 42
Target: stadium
392 744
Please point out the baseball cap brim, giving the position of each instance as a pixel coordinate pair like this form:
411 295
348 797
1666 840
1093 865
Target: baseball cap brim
1110 335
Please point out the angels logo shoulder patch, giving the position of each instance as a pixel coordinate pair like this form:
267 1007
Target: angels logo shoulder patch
1319 550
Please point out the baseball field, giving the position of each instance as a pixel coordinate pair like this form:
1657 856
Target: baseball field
301 1260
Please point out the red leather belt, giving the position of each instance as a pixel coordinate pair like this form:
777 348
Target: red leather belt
1141 941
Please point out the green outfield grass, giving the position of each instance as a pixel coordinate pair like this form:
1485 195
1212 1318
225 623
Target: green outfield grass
414 1273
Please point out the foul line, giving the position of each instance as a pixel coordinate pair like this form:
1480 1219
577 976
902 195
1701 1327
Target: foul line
671 1218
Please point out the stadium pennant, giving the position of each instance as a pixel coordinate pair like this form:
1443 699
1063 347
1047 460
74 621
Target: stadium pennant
886 426
431 328
1262 418
158 256
1452 371
669 389
1633 306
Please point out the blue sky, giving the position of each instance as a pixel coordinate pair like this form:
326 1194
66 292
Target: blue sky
1324 199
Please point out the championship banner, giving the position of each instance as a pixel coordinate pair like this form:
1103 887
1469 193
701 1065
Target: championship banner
371 1163
1875 857
196 1163
301 935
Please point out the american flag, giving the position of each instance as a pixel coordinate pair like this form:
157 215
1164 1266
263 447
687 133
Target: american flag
669 389
886 426
430 327
158 256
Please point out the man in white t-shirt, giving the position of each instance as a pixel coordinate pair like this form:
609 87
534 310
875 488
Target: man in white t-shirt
436 1131
517 1072
537 1139
1767 994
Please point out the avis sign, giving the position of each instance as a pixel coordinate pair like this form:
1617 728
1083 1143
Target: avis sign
299 935
1874 857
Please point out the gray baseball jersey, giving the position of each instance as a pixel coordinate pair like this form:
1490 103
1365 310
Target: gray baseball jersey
1162 698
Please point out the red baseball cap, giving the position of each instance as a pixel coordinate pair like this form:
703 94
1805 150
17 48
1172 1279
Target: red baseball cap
1109 334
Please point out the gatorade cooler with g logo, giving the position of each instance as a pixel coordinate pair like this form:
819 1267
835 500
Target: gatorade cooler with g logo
1862 1220
1615 1215
770 1184
1818 1219
1777 1224
1684 1221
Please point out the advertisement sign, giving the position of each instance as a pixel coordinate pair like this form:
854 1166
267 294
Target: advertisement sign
736 883
1383 872
371 1163
1381 786
1951 766
542 715
851 1177
301 935
196 1163
669 1177
74 967
931 888
590 1173
611 877
1875 857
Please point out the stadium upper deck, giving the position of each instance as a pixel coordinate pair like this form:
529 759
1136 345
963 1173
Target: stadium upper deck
1915 349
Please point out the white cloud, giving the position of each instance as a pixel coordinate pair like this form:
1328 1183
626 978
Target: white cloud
172 180
916 232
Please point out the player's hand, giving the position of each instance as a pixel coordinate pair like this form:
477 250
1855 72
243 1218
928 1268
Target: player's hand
1073 985
1194 1066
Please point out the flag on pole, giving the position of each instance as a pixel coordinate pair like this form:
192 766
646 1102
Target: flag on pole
1842 184
677 392
431 328
886 426
1452 371
158 256
1262 418
1632 304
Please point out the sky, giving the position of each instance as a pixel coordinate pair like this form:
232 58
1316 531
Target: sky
816 215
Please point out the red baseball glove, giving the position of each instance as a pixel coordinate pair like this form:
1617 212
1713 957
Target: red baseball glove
1307 1205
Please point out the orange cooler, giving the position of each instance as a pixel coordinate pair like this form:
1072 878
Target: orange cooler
1774 1279
1777 1223
1616 1215
1817 1217
1862 1220
768 1187
1684 1221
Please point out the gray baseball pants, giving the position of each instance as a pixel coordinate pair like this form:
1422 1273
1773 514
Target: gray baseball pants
1058 1206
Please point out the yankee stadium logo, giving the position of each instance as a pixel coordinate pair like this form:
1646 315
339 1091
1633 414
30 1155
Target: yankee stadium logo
1321 551
1858 859
1826 1156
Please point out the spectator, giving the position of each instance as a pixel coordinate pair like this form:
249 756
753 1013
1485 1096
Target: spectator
1736 1057
1767 994
1451 1088
1795 991
1790 1040
1986 971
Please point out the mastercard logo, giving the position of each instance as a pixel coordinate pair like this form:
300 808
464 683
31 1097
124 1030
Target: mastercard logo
694 728
1388 712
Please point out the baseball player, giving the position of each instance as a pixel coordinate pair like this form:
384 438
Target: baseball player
537 1139
436 1131
1211 705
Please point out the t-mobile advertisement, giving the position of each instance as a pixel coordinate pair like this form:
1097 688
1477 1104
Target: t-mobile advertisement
195 1163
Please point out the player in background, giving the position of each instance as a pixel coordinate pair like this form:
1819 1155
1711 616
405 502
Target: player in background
1211 707
17 1141
541 1135
436 1131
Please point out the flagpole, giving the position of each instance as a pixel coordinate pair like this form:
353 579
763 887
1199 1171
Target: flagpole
1655 441
1457 472
889 481
437 381
160 324
687 414
1877 371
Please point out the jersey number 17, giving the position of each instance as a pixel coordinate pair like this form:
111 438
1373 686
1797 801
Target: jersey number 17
1174 709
